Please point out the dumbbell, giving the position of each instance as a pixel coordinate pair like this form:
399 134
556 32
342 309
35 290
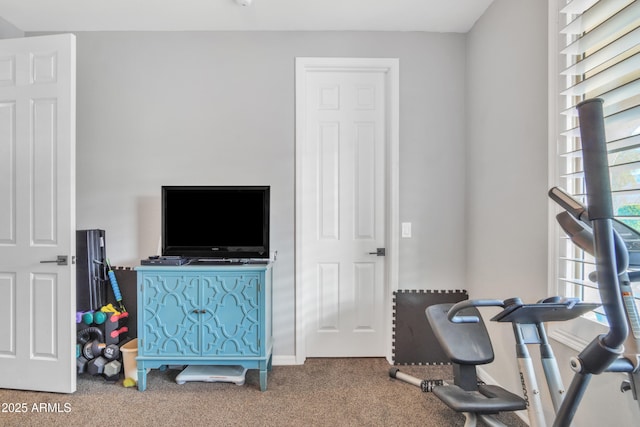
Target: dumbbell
89 317
96 366
112 370
111 352
118 332
95 348
81 364
91 350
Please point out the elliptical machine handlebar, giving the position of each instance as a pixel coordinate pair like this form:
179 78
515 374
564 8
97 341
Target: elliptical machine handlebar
569 204
456 308
607 348
581 234
595 160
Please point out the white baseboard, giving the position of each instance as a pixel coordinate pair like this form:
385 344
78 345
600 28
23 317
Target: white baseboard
284 360
568 338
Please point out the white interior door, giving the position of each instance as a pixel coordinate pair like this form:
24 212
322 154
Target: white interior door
37 213
344 147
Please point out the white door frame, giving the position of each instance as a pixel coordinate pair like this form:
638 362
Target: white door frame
391 68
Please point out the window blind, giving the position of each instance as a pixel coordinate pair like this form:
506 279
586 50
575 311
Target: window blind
599 56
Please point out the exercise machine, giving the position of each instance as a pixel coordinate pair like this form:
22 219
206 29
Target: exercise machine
614 246
472 347
461 332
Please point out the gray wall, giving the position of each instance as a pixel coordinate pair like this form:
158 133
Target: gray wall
507 164
218 108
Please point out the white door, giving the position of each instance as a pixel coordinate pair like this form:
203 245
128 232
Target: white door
37 213
343 156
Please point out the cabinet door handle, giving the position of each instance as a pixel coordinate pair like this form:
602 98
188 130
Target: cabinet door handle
196 311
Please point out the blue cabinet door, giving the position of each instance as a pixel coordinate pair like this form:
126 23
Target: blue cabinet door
231 322
171 315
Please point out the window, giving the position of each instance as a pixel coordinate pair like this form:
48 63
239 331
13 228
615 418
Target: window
598 56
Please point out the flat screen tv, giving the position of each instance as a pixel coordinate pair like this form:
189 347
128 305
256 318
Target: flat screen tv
213 222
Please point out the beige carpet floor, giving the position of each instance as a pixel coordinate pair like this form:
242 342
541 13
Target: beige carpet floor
322 392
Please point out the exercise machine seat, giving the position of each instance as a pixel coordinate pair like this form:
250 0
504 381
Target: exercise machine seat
468 345
489 399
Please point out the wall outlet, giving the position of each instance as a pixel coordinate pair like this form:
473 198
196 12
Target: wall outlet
406 229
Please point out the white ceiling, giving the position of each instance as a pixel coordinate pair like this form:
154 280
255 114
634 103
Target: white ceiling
227 15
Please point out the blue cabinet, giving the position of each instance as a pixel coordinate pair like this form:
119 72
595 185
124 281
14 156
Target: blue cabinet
204 315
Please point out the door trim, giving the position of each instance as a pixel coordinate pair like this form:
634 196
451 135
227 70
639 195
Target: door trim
391 68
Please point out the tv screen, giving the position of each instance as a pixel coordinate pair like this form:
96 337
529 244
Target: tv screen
213 222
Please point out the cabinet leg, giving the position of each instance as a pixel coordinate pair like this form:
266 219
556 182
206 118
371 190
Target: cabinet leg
265 367
142 378
263 379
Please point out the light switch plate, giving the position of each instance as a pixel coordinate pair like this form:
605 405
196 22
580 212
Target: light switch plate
406 229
